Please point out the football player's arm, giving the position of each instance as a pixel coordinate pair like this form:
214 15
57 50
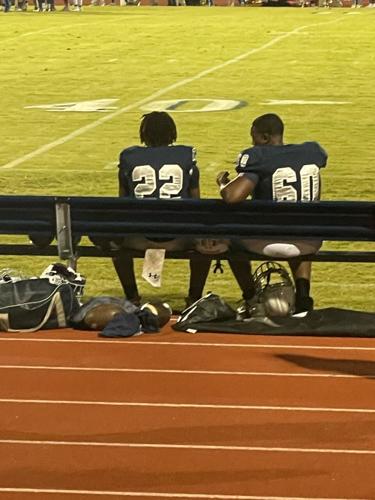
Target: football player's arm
122 190
236 190
122 166
194 192
194 181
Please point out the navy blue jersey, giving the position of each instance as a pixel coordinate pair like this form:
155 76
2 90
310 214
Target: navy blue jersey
158 172
284 173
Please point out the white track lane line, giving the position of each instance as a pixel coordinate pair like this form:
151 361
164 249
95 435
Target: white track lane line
141 404
158 93
128 342
173 446
182 372
162 494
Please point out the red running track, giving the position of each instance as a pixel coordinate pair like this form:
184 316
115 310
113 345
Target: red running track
181 416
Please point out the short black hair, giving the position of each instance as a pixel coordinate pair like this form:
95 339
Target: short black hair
157 129
270 124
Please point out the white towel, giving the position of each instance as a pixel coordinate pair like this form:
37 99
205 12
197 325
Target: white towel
153 266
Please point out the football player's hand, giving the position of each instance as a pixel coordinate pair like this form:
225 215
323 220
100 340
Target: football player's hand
211 247
222 178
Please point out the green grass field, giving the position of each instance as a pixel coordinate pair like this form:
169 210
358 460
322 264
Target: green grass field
145 54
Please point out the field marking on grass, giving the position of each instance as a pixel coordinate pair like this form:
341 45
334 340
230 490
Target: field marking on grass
153 96
162 494
298 102
127 343
182 372
47 30
142 404
178 446
58 27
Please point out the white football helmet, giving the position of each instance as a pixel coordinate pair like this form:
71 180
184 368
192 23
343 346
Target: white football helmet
58 273
274 289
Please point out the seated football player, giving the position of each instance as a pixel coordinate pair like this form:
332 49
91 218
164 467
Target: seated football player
158 169
272 170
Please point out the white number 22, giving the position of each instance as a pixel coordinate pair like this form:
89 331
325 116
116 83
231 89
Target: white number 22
146 176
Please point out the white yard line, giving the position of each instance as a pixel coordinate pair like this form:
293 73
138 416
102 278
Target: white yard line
181 372
47 30
141 404
204 447
162 494
154 95
129 342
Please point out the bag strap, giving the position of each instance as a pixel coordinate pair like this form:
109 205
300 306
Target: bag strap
56 303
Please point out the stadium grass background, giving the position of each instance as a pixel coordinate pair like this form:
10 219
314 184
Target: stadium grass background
129 53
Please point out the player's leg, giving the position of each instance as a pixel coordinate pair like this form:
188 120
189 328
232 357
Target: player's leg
199 269
301 271
124 266
241 270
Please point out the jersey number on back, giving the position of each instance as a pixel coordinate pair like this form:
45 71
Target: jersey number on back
146 176
309 180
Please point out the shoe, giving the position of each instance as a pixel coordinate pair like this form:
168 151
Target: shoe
190 301
249 308
137 300
304 305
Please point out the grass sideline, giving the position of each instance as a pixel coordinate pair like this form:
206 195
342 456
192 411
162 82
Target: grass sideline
131 54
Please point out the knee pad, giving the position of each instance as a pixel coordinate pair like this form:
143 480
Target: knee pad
286 250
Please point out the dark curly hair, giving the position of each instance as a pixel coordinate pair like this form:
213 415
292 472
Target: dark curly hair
157 129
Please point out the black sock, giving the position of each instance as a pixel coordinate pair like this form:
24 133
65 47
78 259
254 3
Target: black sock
302 288
199 269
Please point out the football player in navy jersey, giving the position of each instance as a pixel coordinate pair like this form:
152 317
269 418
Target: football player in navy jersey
272 170
159 170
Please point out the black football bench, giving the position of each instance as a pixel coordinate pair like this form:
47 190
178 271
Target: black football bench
64 227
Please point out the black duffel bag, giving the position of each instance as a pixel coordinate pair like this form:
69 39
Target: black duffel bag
33 304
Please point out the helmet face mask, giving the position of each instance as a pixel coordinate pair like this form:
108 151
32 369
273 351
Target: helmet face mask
274 289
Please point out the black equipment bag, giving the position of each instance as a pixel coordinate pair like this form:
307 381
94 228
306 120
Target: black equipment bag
33 304
211 307
210 314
